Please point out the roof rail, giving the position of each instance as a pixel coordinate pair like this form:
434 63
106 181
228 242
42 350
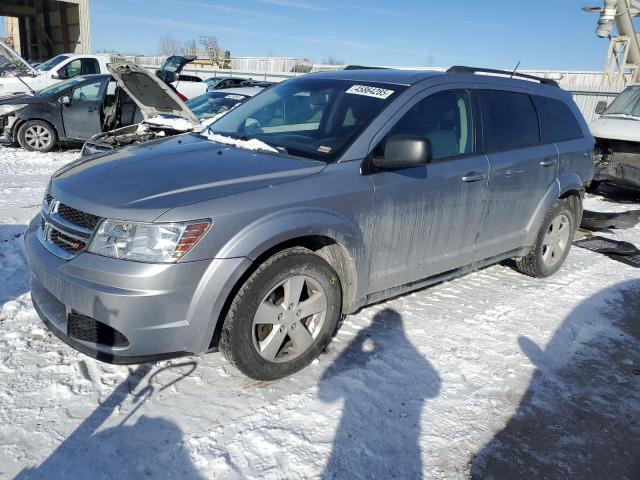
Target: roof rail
461 69
362 67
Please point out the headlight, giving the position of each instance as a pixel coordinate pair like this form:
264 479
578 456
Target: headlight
147 242
5 109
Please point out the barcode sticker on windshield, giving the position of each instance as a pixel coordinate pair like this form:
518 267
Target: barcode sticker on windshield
235 97
370 91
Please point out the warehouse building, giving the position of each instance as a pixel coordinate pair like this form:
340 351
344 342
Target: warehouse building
41 29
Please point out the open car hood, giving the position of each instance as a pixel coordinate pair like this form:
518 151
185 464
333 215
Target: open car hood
11 57
152 95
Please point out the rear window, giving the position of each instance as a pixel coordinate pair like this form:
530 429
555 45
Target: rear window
557 122
510 120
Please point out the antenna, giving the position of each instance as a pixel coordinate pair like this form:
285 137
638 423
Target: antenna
516 69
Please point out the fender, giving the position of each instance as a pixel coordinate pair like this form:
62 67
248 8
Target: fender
277 228
569 181
548 200
566 182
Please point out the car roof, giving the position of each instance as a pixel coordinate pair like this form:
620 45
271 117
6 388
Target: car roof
412 77
247 91
95 76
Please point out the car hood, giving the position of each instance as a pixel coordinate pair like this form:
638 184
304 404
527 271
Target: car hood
152 95
16 60
20 98
141 183
626 129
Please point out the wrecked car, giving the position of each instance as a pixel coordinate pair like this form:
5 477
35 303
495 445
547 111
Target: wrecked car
322 194
21 76
71 111
617 134
164 114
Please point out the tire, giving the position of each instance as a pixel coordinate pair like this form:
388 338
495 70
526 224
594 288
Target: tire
593 186
37 136
267 351
552 244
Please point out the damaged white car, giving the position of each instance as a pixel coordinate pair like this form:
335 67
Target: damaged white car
617 134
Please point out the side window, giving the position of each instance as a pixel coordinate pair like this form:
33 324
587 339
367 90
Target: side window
557 122
89 92
73 68
445 119
510 120
111 87
90 66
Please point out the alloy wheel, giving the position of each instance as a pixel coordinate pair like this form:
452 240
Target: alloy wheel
556 240
38 137
289 319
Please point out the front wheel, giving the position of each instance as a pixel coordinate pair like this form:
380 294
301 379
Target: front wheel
552 244
283 316
37 136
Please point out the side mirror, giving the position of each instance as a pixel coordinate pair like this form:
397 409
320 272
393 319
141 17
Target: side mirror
65 100
404 151
601 107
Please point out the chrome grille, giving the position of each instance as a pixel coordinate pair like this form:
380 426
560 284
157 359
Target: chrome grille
65 231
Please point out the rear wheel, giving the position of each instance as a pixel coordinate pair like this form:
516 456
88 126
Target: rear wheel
552 244
284 315
37 136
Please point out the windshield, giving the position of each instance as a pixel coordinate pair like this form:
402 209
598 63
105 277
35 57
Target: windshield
308 117
627 103
213 103
212 80
49 64
59 87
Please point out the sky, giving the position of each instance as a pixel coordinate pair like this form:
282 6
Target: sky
542 34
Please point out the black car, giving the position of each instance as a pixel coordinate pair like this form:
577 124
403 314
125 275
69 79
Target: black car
71 111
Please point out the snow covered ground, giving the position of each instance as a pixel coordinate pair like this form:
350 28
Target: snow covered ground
494 375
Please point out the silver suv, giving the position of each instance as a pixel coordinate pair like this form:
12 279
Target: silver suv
321 195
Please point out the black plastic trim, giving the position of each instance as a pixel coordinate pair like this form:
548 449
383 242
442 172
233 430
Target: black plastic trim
103 356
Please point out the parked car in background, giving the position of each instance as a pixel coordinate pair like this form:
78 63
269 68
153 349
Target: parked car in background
70 111
193 88
24 77
320 195
157 124
617 133
258 83
217 102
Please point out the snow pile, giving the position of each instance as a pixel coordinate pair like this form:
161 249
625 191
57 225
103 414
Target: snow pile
178 124
252 144
436 383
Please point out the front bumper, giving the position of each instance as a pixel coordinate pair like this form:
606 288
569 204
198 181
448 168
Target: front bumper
164 310
620 173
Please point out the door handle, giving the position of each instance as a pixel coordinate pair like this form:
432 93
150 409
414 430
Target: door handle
549 162
473 177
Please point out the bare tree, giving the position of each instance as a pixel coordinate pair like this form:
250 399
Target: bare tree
331 60
170 45
190 48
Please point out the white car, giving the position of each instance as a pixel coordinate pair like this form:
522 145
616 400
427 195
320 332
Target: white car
191 86
24 78
617 134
